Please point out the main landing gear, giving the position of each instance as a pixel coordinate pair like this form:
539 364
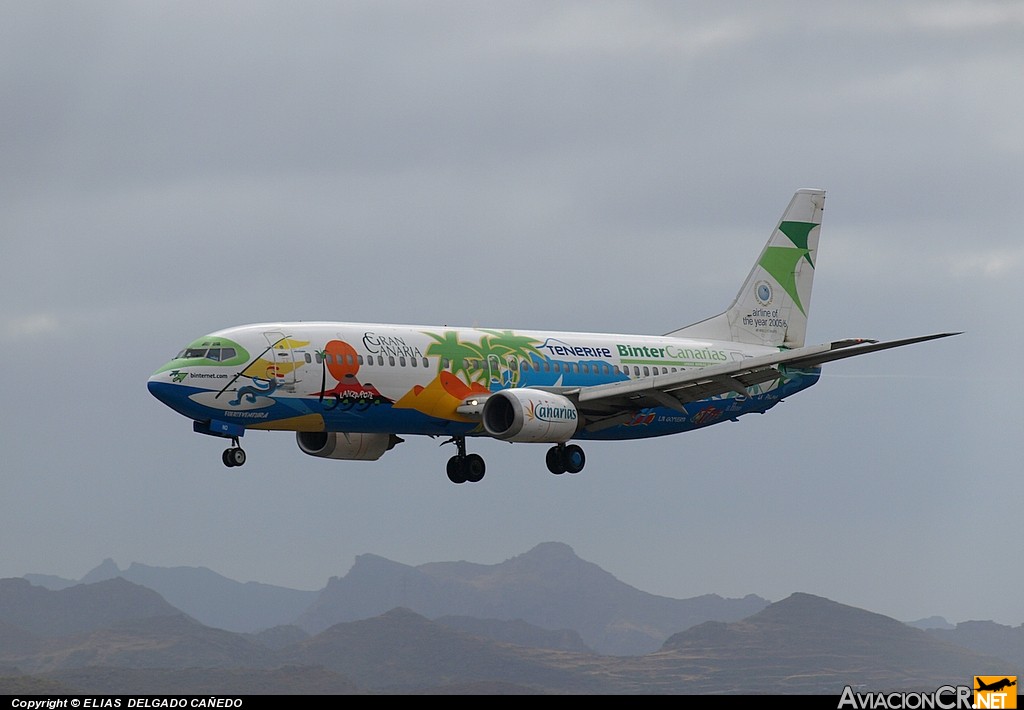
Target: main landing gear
234 456
463 467
565 459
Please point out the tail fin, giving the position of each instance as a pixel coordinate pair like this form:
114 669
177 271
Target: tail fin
772 306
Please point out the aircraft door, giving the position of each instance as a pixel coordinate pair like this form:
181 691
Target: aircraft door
282 359
502 375
512 375
494 368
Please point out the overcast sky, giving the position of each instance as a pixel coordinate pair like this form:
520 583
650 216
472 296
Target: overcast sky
171 168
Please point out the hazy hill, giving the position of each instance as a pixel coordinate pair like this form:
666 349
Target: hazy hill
15 641
523 626
807 644
401 651
211 598
801 645
549 591
987 637
549 587
517 632
932 622
280 636
77 609
174 641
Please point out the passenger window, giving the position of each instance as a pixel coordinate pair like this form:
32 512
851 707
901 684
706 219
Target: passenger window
425 363
401 360
391 360
413 362
309 358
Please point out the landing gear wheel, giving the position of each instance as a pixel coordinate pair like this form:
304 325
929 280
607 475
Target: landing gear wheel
473 467
555 461
463 467
234 456
565 459
455 470
573 458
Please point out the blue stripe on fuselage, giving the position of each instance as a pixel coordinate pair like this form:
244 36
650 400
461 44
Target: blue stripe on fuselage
382 417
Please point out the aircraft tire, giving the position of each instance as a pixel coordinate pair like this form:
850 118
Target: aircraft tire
555 462
456 471
473 467
573 458
227 459
235 455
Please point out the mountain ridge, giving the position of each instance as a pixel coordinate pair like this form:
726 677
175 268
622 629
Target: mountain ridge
546 597
802 644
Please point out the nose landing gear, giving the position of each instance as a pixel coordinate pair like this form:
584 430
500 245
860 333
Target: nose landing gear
234 456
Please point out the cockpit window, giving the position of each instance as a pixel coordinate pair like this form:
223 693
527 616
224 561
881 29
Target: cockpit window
189 353
215 354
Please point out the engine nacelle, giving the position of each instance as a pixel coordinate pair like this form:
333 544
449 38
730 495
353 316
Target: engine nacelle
344 445
529 415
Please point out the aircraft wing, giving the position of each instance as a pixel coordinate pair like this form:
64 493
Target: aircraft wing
608 405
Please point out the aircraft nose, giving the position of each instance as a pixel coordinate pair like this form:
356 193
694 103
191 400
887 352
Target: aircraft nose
161 387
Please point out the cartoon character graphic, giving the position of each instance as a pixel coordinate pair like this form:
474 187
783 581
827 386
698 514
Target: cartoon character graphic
340 359
249 393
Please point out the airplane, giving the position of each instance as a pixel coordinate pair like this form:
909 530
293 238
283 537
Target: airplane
996 686
350 391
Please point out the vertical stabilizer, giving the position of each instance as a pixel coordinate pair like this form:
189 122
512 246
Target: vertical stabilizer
772 306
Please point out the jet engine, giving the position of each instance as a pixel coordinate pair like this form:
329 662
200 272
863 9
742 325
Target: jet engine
529 415
344 445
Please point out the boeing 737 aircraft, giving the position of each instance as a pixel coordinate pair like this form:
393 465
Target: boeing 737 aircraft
349 390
